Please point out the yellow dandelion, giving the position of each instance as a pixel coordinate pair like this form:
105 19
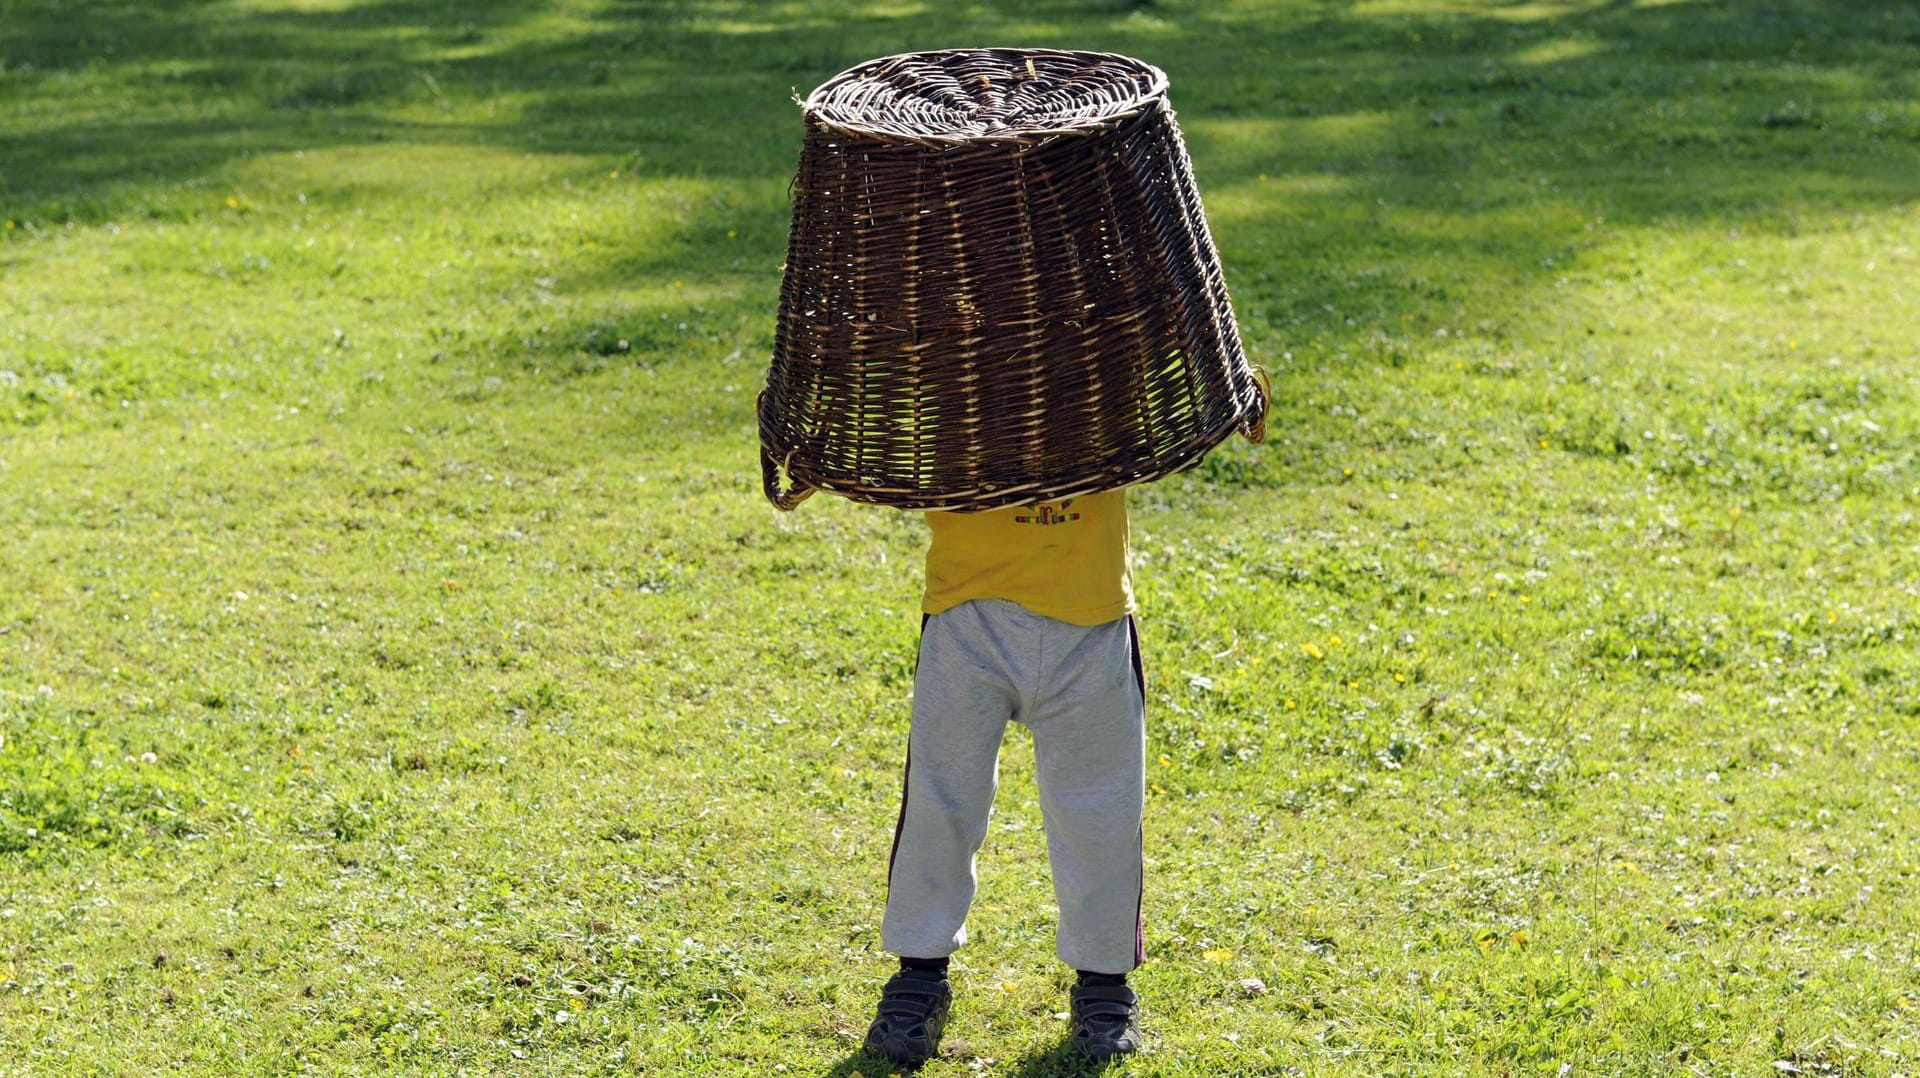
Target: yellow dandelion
1313 651
1290 705
1165 760
1334 640
1520 937
1401 678
1543 443
1346 471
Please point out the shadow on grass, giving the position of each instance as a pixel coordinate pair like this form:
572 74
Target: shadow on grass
865 1064
1063 1060
1367 175
157 94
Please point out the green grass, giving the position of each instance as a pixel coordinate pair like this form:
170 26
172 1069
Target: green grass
401 672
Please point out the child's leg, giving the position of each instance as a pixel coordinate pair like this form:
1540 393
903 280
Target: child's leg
1089 740
962 700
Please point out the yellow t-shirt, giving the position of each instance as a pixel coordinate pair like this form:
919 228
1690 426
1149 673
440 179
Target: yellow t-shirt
1066 559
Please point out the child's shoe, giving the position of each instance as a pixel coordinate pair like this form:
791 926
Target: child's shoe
912 1012
1104 1025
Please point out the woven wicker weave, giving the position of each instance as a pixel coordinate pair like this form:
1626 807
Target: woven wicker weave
999 288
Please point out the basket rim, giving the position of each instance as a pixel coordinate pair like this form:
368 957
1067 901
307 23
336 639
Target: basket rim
1089 481
813 112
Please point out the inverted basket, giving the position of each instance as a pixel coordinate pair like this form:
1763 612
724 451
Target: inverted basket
999 288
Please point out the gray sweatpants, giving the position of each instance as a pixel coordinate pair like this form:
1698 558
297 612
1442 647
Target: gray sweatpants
1079 689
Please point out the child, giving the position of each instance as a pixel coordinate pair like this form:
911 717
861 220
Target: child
1028 615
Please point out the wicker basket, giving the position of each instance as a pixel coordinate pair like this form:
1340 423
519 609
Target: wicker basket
999 288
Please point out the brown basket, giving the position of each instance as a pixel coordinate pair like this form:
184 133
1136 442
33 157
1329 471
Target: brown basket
999 288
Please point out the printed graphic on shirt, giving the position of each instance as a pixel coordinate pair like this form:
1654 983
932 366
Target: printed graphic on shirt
1045 513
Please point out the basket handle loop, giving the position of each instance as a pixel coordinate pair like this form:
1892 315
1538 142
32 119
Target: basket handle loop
1255 430
770 470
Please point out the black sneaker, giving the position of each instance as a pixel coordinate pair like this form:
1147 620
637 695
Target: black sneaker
913 1011
1104 1025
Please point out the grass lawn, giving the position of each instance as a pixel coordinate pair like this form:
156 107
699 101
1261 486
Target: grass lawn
401 672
